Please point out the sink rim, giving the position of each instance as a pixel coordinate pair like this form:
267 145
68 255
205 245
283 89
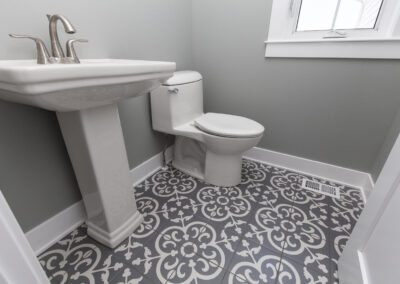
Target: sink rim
28 71
28 78
71 87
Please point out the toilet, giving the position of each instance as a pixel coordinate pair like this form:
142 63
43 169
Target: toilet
208 146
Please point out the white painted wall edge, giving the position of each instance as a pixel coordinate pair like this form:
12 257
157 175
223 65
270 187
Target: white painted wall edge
50 231
338 174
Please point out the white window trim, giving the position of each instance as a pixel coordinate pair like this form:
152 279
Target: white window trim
383 42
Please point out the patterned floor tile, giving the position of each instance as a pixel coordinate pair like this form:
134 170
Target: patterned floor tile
344 213
199 257
315 257
266 194
57 277
265 230
254 264
335 251
79 259
220 203
333 273
131 276
145 258
253 173
228 234
291 272
166 183
196 271
268 226
315 205
230 278
167 199
307 242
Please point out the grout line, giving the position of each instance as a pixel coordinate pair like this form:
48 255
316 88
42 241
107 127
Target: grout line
331 246
280 264
285 242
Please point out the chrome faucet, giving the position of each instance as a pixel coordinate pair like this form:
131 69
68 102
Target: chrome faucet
56 48
57 53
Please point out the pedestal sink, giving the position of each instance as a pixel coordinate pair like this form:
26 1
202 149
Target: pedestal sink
85 97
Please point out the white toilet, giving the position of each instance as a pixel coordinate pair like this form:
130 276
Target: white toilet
208 146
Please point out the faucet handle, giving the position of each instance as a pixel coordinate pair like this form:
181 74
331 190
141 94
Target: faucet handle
43 56
71 53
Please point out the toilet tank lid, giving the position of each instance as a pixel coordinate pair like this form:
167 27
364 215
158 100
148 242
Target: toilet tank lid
183 77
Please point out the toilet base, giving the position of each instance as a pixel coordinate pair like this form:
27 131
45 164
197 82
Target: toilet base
193 158
223 170
217 175
189 156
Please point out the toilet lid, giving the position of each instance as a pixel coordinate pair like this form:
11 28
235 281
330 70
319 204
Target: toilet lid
228 125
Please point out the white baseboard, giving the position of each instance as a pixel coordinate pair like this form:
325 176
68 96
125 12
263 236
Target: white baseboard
149 167
334 173
50 231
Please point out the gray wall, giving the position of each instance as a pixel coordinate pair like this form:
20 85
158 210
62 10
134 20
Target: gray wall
334 111
35 172
387 146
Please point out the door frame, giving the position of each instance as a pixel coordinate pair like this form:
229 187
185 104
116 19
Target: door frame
353 268
18 262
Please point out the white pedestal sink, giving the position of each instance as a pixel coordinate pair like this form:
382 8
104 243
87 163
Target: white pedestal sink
85 97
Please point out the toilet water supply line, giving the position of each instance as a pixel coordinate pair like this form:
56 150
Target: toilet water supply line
164 153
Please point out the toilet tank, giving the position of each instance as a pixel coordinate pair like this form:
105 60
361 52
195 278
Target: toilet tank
178 101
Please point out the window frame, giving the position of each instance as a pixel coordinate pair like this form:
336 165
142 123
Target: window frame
297 5
285 41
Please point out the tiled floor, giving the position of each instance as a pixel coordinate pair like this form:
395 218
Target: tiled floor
266 230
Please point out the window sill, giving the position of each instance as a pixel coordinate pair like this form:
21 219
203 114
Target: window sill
372 48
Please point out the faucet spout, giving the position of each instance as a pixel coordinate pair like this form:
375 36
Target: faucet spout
56 48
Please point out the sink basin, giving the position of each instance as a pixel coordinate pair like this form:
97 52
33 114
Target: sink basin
69 87
84 97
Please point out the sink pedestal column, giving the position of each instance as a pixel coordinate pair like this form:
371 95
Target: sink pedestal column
97 150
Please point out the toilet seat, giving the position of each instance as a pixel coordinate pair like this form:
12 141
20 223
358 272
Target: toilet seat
227 125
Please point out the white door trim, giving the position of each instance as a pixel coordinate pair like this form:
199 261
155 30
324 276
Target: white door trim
18 263
352 268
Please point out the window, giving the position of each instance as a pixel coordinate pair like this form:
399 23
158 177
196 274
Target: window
322 15
334 28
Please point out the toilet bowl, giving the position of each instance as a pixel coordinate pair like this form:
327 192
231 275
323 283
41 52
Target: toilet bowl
208 146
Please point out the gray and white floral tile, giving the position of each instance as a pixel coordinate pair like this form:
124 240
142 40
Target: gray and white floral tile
306 244
268 226
130 275
265 230
254 263
291 272
79 259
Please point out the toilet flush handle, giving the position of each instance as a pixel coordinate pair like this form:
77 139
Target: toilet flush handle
173 91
